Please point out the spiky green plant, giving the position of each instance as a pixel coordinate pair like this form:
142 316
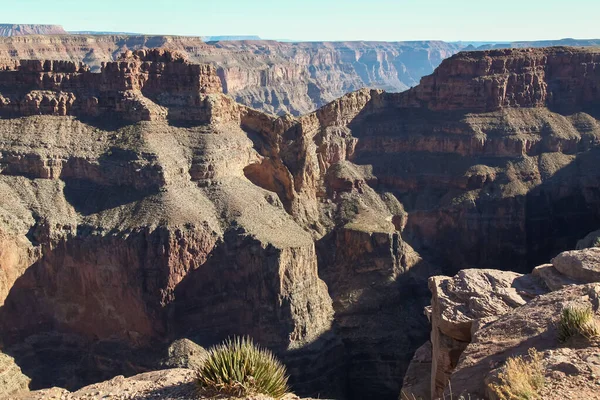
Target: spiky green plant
578 321
238 367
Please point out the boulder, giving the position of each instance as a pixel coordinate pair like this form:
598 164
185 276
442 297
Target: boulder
184 353
570 368
591 240
581 265
470 297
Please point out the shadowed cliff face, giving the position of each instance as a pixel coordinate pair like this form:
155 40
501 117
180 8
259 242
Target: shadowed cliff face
150 207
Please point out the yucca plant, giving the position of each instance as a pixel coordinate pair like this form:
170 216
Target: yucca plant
578 321
238 367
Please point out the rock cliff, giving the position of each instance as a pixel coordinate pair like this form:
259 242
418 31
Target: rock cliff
30 29
275 77
141 205
480 318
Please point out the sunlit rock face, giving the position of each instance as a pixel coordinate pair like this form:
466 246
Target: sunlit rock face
274 77
141 205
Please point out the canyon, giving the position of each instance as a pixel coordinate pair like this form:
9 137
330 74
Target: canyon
275 77
142 205
271 76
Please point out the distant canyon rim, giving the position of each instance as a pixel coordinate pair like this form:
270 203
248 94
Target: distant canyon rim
274 77
146 200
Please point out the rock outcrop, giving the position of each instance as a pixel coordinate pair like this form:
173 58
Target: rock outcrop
170 384
274 77
30 29
471 298
480 318
146 232
12 379
148 207
65 88
553 78
571 369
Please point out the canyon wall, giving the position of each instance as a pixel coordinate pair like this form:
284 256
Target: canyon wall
10 30
271 76
148 207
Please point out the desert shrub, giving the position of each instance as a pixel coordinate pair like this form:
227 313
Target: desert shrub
449 396
238 368
578 321
520 379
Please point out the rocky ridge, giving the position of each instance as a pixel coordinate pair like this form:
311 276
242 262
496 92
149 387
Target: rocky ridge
11 30
188 215
275 77
480 318
170 384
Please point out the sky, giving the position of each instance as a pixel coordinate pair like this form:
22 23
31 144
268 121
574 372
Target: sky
315 20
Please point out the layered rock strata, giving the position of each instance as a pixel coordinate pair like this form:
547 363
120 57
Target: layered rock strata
169 210
30 29
274 77
121 89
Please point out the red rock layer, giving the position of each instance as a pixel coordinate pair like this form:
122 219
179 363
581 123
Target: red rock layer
123 88
487 81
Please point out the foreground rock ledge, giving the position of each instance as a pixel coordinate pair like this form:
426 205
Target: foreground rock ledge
172 384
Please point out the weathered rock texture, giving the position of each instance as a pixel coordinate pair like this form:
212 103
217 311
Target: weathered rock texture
12 380
30 29
417 380
146 231
147 206
571 369
471 297
275 77
480 318
121 89
170 384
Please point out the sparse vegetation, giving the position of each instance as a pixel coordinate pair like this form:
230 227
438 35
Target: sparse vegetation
450 396
520 379
238 368
576 321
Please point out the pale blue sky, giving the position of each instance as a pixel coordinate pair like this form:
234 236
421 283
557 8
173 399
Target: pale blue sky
322 19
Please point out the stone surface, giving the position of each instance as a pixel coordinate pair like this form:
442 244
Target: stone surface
171 384
581 265
12 379
30 29
475 299
457 303
551 278
513 78
275 77
184 353
167 210
417 380
569 368
122 89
